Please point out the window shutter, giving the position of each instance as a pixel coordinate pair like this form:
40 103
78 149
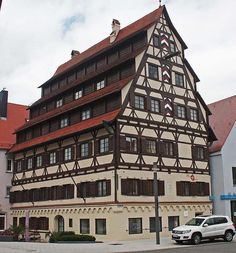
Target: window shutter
69 98
96 147
206 154
188 114
78 188
144 145
200 116
92 189
108 187
162 107
194 153
110 143
72 153
71 190
161 148
90 148
175 147
78 151
131 98
193 189
123 143
176 110
23 164
45 159
206 189
61 155
161 188
179 191
148 103
124 186
15 166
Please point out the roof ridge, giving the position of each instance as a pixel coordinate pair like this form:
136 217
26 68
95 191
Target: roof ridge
221 100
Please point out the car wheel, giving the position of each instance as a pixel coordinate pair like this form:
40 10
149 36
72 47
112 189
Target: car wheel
196 239
228 236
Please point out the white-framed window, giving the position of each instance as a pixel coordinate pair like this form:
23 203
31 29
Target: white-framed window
100 85
139 102
39 161
152 71
78 94
8 190
59 103
194 114
179 79
181 112
86 114
155 105
172 47
151 146
30 163
102 188
9 165
67 154
64 122
84 149
156 41
104 145
131 144
52 158
200 153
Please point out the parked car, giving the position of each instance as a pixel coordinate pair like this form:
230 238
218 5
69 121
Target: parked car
205 227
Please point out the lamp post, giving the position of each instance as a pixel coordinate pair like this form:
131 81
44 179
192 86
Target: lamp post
155 187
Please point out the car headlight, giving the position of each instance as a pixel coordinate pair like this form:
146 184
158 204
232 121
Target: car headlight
186 231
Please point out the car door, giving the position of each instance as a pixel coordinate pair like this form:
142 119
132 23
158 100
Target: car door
208 231
220 225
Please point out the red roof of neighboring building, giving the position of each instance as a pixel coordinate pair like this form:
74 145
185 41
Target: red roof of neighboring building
87 124
222 120
16 116
105 44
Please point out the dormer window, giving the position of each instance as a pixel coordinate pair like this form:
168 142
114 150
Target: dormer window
78 94
59 103
100 85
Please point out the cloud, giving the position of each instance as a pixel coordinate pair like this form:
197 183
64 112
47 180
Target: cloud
38 36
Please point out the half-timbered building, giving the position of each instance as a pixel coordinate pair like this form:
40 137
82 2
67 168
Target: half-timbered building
84 161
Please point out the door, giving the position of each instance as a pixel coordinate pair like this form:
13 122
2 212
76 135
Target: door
210 230
233 211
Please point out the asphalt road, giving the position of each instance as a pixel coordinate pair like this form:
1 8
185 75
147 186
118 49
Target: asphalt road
204 247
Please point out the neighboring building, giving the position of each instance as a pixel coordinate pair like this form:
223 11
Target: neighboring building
103 119
223 157
12 116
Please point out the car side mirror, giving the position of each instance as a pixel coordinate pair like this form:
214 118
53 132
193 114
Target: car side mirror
205 225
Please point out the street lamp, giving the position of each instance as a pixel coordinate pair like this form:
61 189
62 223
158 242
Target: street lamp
155 187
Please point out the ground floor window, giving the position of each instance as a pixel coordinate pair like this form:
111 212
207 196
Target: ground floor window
84 226
100 226
2 221
173 221
135 226
152 226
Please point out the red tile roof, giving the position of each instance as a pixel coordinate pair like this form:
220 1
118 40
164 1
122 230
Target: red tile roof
222 120
113 88
67 131
16 116
105 44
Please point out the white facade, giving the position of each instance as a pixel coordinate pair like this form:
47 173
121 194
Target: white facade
223 189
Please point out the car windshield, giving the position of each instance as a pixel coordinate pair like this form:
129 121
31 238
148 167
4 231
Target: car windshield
195 222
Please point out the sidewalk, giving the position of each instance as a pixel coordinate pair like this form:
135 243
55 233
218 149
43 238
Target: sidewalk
107 247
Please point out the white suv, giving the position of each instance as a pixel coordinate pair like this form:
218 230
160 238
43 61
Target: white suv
205 227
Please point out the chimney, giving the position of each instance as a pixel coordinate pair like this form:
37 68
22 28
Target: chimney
115 30
74 53
3 103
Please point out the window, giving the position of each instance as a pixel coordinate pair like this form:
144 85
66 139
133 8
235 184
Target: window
84 226
8 189
18 166
78 94
151 146
156 41
2 221
179 79
70 223
152 71
86 114
102 188
64 122
220 220
100 85
30 163
135 226
155 105
84 150
139 102
169 148
100 226
9 165
131 144
173 221
186 188
172 47
132 187
104 145
181 112
67 154
52 158
59 103
152 225
39 161
200 153
234 175
193 114
200 189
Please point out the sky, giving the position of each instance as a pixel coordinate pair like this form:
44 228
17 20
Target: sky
36 36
